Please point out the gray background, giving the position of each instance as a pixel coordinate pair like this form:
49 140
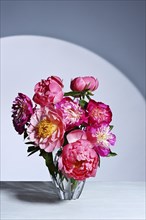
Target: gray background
113 29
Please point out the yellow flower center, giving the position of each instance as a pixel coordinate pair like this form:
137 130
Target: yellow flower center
101 137
46 128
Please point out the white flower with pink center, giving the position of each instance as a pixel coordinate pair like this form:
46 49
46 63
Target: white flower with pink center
73 114
101 137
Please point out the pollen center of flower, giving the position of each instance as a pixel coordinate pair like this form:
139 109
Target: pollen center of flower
97 114
101 137
78 164
46 128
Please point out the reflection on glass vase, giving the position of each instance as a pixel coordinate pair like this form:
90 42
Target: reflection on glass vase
68 188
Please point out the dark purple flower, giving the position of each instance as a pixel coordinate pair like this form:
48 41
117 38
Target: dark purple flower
22 109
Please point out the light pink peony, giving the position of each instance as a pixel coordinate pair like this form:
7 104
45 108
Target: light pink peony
22 109
46 129
48 91
99 112
82 83
101 137
79 160
73 114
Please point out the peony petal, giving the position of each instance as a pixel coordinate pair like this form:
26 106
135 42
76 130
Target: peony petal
50 147
75 135
60 164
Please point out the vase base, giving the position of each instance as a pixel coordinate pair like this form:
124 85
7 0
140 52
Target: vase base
68 189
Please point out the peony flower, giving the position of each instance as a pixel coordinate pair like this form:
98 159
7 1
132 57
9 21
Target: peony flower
79 160
73 114
82 83
48 91
99 112
22 109
101 137
46 129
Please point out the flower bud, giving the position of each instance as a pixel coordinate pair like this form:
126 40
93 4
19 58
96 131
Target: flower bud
81 83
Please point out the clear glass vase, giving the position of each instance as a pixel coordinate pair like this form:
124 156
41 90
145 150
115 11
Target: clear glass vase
68 188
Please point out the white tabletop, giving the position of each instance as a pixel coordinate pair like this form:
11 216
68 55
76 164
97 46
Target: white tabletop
99 200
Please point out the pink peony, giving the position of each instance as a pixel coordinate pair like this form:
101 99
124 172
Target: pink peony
82 83
99 112
79 160
48 91
73 114
101 138
22 109
46 129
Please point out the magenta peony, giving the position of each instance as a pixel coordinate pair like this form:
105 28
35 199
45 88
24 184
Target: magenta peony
101 137
99 112
48 91
79 160
22 109
46 129
73 114
82 83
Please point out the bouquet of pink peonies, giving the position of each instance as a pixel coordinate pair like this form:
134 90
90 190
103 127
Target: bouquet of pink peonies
70 130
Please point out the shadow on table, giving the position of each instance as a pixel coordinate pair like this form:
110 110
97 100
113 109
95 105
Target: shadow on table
34 192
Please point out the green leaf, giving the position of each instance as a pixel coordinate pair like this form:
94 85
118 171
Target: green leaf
34 151
31 148
90 93
74 183
30 142
72 93
65 140
88 97
111 154
25 134
111 127
83 103
49 162
59 152
99 161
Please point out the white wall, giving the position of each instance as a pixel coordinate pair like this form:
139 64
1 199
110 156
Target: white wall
26 60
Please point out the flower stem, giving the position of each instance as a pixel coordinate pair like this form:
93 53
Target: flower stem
49 162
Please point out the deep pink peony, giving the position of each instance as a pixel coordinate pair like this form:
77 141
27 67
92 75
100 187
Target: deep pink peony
22 109
48 91
79 160
73 114
101 137
99 112
46 129
86 82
